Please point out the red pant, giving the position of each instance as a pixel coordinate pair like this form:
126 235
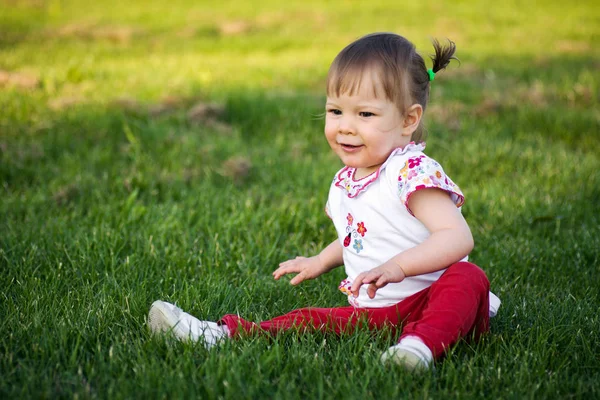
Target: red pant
455 306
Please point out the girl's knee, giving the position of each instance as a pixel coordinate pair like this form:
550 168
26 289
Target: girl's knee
471 273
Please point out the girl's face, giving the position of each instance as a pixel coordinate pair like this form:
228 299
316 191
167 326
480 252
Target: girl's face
364 129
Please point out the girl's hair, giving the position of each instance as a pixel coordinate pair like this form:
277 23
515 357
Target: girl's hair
399 69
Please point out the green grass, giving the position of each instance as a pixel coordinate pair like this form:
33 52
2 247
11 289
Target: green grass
108 203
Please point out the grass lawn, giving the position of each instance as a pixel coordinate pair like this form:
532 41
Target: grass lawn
174 151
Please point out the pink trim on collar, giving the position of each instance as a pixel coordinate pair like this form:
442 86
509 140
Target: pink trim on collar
345 178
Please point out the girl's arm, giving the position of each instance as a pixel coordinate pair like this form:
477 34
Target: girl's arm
312 267
449 242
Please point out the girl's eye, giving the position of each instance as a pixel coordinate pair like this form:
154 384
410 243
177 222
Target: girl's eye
366 114
334 111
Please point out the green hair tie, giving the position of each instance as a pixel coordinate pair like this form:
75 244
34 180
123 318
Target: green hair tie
431 74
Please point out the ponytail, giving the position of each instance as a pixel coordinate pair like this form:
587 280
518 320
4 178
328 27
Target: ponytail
443 54
421 77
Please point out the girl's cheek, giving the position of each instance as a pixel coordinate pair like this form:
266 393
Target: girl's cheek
329 126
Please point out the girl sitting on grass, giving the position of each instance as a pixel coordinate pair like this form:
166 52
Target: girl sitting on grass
401 235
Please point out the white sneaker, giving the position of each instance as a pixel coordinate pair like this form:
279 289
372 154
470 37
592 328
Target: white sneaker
403 357
411 353
166 317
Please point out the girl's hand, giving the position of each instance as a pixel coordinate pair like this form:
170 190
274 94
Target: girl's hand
378 278
305 267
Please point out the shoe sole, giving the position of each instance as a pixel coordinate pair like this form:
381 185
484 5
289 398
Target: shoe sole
162 320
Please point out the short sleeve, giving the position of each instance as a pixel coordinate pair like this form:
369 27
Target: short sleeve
421 172
328 210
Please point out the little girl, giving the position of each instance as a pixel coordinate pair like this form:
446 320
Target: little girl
401 235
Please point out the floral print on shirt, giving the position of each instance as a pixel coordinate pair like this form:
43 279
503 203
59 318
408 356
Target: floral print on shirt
345 287
421 172
355 233
344 179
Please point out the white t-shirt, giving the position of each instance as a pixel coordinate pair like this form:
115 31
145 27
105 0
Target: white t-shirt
374 223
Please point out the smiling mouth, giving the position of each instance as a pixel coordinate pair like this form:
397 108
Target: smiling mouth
350 148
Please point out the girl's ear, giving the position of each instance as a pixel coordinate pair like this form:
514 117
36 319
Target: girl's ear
412 119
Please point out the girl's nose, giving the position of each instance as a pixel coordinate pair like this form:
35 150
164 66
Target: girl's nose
346 126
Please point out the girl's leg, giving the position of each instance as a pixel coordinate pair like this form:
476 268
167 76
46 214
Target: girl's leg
166 317
338 319
457 305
